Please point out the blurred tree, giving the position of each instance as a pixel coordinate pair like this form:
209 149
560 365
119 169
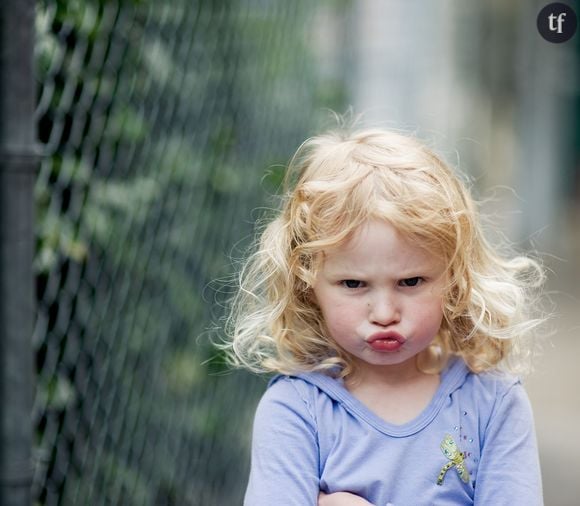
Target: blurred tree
157 120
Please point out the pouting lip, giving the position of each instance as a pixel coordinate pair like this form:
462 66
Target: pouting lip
386 335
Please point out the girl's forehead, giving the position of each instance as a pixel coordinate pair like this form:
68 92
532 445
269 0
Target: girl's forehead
378 242
374 232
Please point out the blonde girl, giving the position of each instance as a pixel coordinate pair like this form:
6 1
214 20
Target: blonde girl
394 328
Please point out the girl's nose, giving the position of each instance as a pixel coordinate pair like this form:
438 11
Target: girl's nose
384 310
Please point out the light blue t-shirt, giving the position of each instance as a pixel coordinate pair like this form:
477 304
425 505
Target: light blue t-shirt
474 444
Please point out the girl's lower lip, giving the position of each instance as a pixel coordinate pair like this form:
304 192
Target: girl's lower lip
387 345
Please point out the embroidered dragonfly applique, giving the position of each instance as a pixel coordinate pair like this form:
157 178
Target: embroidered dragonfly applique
456 459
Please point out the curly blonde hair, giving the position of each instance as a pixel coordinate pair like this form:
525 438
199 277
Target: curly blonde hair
334 184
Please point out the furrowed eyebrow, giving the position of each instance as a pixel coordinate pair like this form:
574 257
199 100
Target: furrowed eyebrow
352 274
347 273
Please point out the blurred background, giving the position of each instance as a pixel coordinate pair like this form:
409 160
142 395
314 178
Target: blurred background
163 130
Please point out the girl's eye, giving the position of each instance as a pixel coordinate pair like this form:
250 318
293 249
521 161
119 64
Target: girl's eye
351 283
411 281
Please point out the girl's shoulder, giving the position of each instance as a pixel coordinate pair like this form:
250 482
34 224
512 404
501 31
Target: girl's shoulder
291 398
494 394
495 384
302 387
305 384
289 388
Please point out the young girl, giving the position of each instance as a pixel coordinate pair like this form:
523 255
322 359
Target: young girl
393 325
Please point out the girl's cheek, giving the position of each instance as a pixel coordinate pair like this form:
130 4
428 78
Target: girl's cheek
430 315
336 315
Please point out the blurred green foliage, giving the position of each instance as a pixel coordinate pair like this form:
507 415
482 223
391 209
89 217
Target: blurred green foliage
164 124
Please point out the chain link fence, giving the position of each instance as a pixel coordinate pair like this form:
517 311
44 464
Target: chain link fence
163 126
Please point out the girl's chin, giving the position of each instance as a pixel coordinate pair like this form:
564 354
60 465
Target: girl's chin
379 359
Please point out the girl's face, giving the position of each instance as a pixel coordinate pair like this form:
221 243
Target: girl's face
381 297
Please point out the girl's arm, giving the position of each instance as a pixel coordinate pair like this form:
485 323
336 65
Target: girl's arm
285 460
341 499
509 469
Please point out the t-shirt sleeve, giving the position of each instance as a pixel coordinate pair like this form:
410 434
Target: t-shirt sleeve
509 468
285 456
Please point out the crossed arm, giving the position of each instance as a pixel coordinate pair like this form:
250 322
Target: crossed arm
341 499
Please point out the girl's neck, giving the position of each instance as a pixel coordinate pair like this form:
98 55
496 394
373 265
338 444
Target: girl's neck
396 394
386 376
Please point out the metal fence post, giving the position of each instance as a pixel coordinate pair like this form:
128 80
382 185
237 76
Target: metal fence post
17 171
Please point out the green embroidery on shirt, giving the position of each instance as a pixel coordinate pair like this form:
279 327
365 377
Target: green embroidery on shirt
451 451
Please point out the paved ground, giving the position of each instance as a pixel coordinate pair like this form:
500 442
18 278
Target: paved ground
554 390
